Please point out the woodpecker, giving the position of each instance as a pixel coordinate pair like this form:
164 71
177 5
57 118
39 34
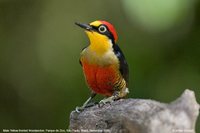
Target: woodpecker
103 63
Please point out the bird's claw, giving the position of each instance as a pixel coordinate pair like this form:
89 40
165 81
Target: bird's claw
105 101
79 109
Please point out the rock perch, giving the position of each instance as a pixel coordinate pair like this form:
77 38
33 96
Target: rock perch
139 116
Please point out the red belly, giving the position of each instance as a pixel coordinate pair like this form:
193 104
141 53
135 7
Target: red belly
100 79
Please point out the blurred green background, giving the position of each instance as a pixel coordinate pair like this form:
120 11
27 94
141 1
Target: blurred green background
41 80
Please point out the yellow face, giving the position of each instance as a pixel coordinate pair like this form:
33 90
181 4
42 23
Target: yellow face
99 43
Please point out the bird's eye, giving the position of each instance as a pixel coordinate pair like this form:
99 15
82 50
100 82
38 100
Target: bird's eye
102 29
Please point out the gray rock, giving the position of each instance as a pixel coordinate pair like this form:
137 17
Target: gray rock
139 116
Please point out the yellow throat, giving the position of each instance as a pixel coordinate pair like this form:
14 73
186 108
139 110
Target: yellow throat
99 44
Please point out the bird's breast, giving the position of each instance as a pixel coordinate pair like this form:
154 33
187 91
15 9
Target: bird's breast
91 57
100 79
101 71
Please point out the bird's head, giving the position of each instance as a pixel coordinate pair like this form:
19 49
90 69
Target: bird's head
102 35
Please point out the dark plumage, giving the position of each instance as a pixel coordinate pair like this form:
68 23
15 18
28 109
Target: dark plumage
123 64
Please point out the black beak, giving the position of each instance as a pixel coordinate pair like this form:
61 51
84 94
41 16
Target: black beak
84 26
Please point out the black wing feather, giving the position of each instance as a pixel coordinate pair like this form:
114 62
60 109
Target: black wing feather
123 64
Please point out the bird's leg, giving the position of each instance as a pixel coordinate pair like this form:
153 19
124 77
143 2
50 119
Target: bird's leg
110 99
79 109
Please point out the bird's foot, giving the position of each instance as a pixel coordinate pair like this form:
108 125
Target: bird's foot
105 101
80 109
109 100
